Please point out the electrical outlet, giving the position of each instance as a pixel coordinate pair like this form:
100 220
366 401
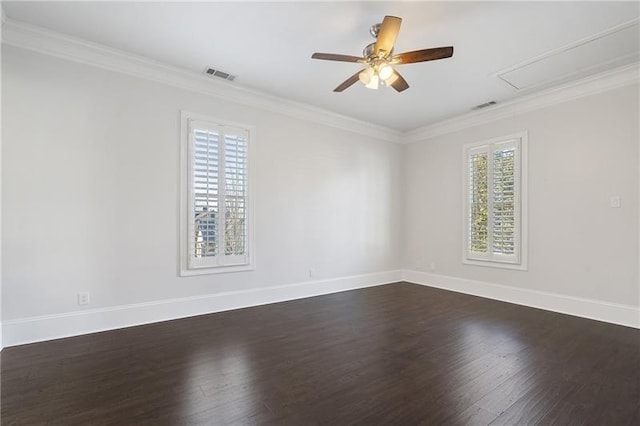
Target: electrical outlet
312 272
83 298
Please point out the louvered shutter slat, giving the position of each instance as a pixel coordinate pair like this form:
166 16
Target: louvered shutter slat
503 196
205 193
478 201
236 194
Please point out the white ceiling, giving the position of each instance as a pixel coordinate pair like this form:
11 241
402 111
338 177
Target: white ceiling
268 45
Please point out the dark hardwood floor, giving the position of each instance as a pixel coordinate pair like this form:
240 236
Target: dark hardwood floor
395 354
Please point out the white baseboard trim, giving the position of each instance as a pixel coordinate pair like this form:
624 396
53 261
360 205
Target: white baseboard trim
48 327
627 315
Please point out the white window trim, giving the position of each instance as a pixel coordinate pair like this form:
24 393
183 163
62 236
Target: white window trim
184 228
522 212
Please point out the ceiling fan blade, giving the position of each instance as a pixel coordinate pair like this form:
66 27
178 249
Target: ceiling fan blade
336 57
422 55
387 34
348 82
399 83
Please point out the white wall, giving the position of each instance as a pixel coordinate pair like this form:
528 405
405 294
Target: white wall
581 153
90 200
2 20
90 192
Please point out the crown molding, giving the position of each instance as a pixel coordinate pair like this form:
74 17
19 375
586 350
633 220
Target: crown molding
609 80
52 43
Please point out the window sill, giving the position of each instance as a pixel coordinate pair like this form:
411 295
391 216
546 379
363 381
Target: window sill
494 264
216 270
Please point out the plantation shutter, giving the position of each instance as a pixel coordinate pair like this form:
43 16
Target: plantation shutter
493 203
503 193
235 196
218 188
478 169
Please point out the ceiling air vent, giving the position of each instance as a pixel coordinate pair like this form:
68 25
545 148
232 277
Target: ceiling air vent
484 105
220 74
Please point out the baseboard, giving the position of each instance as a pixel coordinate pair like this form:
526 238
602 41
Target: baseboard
48 327
626 315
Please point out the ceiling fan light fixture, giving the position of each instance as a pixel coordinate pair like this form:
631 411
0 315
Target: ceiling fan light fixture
385 71
392 79
373 84
366 75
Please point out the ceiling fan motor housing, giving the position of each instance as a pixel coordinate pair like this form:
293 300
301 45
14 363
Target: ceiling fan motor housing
368 52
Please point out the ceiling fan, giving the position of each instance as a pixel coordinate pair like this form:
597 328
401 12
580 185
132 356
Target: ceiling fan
379 59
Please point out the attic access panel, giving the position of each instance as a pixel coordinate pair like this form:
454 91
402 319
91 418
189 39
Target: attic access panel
607 50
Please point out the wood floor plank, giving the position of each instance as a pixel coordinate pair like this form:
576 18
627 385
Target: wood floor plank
472 416
598 403
392 354
536 403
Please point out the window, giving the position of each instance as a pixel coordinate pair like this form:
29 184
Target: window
495 202
215 214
